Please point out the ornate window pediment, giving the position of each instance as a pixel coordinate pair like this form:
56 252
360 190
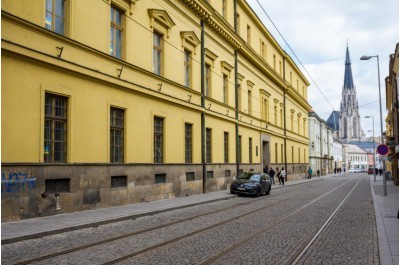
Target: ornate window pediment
210 57
189 40
160 20
226 68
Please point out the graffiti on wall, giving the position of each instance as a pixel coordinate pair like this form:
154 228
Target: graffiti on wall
16 182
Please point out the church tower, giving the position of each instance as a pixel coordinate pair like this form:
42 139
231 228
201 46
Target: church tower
349 121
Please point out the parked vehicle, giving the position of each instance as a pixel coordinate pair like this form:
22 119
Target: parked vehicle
252 184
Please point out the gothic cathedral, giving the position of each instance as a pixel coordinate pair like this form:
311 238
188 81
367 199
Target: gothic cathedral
346 122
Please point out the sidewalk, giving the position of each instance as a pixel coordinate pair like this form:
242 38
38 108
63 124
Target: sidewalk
12 232
387 223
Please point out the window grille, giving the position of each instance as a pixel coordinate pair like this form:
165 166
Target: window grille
188 143
116 135
158 140
55 131
119 181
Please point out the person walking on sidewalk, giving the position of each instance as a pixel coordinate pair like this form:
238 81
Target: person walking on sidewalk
278 175
282 176
309 172
272 175
318 172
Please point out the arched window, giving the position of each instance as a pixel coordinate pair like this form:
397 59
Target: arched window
345 128
355 127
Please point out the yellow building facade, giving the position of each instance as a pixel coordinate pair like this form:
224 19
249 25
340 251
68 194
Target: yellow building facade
141 100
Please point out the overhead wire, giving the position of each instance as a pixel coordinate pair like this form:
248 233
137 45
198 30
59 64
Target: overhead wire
195 60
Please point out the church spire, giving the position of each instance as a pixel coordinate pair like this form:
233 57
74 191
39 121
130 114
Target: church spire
348 76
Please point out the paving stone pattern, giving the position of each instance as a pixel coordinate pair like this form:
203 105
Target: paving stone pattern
270 246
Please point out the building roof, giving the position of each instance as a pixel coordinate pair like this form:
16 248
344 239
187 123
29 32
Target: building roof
354 149
348 75
365 145
333 120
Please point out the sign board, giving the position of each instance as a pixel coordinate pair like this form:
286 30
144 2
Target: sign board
382 149
383 158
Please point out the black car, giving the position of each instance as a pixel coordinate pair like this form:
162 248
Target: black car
251 183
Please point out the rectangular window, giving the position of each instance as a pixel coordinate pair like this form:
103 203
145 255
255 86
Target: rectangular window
240 149
119 181
249 98
239 97
208 146
188 143
248 34
250 150
116 32
225 88
208 80
188 68
57 185
276 153
117 135
281 153
160 178
157 53
55 130
237 23
276 115
224 9
226 147
189 176
227 173
55 16
158 139
210 174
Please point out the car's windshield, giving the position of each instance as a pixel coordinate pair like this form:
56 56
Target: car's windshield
250 176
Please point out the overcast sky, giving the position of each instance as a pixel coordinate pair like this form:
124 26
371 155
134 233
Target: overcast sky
318 32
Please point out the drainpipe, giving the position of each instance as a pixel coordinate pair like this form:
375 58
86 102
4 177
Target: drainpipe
284 114
236 95
203 114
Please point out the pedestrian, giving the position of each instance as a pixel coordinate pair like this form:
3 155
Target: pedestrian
265 170
272 175
380 171
334 170
309 172
282 176
318 172
278 175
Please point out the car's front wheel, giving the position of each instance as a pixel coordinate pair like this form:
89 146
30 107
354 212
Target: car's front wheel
258 192
268 191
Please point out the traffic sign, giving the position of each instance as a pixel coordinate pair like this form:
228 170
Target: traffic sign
382 149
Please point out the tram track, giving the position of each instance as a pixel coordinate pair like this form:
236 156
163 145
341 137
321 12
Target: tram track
141 231
187 235
243 241
277 223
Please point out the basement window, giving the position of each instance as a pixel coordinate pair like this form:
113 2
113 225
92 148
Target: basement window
119 181
57 185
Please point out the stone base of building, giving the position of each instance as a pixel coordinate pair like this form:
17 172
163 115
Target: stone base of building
39 190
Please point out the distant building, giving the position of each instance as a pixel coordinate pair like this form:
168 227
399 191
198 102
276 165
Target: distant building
369 147
356 158
321 144
338 156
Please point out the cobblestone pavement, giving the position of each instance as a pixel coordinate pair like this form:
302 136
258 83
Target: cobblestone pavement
352 230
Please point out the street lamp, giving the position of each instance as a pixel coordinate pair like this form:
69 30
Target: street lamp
373 142
364 58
